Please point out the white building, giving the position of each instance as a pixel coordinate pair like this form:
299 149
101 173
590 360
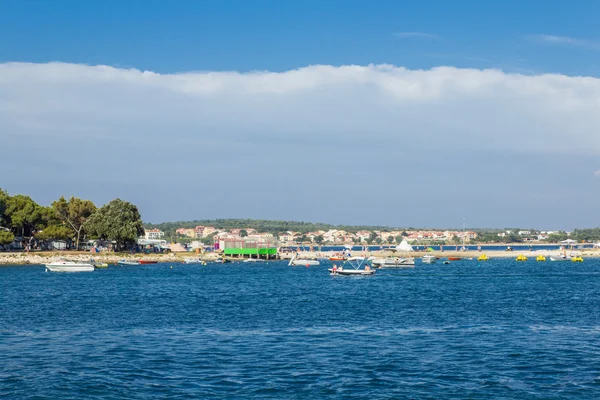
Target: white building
153 233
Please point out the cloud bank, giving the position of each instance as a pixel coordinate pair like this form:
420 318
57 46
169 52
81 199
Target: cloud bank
107 130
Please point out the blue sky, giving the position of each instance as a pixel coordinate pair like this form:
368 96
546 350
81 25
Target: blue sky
280 35
248 92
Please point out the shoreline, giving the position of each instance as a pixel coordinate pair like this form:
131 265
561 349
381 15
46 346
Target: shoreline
41 258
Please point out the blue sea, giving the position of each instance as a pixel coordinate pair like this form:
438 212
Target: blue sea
472 330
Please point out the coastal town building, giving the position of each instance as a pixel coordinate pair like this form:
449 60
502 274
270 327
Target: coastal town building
189 232
153 233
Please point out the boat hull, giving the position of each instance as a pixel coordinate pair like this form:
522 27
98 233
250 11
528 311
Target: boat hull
147 262
70 267
128 263
304 262
351 272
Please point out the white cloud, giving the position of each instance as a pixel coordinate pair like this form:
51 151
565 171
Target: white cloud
566 40
417 35
424 132
597 173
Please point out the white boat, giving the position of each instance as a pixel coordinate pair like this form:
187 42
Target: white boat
303 261
558 259
355 264
127 262
253 260
428 259
393 262
194 261
69 266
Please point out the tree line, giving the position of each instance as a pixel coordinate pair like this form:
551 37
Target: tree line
71 220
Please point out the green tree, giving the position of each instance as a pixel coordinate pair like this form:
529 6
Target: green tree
118 220
390 239
319 239
6 238
404 233
243 233
23 214
372 237
74 213
456 240
55 232
3 203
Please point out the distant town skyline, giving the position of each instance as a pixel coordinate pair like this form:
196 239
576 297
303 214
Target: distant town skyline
343 112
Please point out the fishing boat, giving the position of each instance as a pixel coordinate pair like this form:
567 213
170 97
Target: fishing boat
303 261
148 262
69 266
428 259
357 266
393 262
128 262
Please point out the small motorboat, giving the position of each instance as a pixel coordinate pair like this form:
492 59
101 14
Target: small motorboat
446 262
303 262
428 259
69 266
356 263
393 262
454 258
558 259
128 262
148 262
194 261
336 258
253 260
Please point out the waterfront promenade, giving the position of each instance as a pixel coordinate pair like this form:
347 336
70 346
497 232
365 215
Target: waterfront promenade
36 258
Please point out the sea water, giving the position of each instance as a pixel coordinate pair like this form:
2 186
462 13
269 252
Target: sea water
470 329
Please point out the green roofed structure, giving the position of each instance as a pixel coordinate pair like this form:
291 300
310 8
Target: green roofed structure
250 247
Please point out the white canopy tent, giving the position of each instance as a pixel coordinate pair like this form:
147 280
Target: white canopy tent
569 241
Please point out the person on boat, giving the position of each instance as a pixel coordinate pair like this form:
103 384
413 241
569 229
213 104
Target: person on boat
367 268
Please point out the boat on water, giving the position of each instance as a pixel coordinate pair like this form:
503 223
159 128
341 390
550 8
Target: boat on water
303 262
428 259
454 258
336 258
100 265
558 259
69 266
194 261
148 262
357 266
254 260
128 262
393 262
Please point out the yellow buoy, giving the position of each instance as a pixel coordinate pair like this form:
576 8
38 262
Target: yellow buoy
521 257
577 259
483 257
540 258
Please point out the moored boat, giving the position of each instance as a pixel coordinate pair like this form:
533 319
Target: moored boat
428 259
69 266
356 263
303 261
393 262
128 262
454 258
147 262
